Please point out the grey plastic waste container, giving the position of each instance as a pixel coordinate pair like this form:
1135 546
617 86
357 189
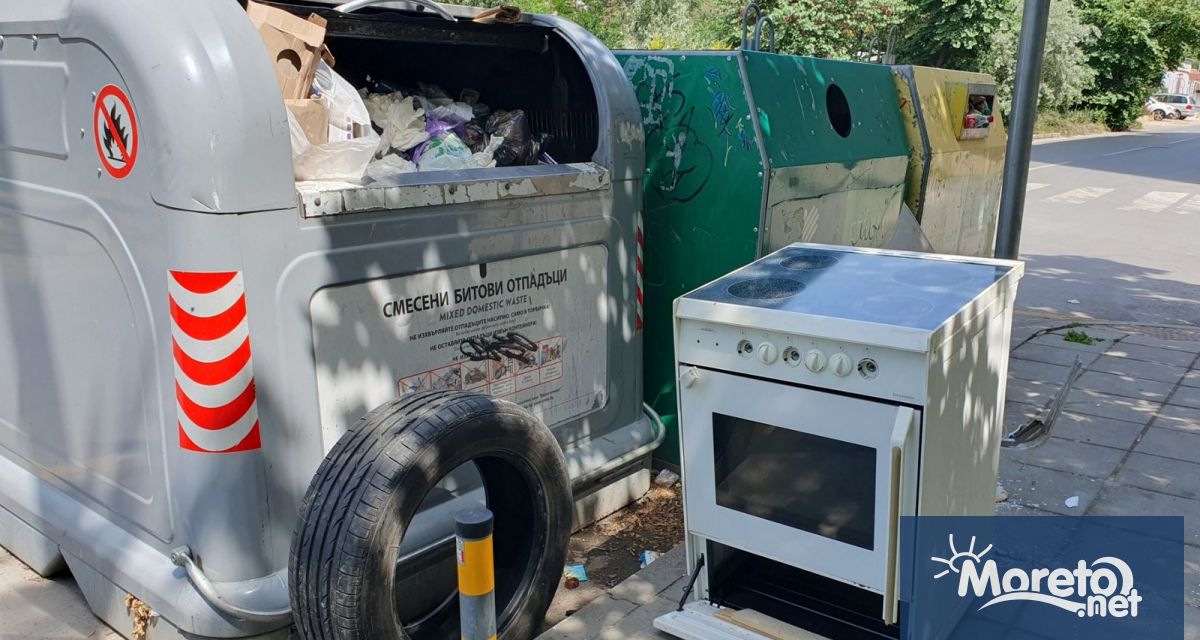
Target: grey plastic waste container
185 331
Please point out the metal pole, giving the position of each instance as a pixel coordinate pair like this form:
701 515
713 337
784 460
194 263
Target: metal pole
476 575
1028 79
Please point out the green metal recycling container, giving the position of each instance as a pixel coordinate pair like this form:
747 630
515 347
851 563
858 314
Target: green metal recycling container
746 152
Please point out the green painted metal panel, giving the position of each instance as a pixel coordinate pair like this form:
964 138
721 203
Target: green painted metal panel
792 97
703 194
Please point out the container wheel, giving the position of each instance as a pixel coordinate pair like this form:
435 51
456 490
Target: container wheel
343 565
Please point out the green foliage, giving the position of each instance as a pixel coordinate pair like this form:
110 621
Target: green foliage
1137 41
1102 56
833 28
1070 122
1065 71
677 24
1080 337
953 34
644 24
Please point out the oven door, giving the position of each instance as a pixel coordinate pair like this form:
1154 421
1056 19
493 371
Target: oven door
812 479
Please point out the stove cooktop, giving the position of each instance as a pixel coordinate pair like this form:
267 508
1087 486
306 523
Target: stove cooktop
906 291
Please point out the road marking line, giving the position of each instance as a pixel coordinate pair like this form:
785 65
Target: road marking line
1155 201
1117 153
1191 206
1184 140
1079 196
1034 186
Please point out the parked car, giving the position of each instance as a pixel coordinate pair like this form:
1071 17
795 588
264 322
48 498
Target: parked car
1171 106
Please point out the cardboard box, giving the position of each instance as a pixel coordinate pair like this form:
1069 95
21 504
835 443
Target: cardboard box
313 117
294 44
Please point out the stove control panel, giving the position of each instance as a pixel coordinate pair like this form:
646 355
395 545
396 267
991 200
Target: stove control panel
817 362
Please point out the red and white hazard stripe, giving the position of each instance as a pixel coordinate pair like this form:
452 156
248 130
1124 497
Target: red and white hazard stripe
214 374
640 271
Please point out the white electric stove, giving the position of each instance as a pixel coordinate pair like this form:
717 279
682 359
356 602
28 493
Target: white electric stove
824 392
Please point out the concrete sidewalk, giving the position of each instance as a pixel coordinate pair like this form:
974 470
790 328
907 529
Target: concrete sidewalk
1127 443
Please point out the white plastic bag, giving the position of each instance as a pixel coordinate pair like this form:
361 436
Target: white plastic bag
348 115
388 167
486 158
404 126
454 113
334 160
445 150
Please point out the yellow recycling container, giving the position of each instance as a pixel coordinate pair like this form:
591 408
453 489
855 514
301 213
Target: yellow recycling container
956 163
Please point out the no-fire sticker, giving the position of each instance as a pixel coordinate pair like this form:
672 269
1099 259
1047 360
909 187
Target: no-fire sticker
116 131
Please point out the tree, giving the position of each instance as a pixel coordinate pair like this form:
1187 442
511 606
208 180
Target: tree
677 24
1137 41
833 28
1065 71
952 34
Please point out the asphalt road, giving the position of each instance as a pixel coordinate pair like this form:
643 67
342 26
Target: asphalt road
1112 227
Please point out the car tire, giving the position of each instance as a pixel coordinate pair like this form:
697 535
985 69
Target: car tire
1158 114
372 483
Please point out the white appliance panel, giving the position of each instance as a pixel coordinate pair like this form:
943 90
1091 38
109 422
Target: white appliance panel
806 478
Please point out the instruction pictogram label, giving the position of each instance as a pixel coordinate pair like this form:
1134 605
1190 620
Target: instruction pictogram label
116 133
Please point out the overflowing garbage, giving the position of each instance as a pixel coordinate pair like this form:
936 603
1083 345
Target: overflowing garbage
377 132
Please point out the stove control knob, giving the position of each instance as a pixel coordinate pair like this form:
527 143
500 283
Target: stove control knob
841 365
815 360
767 353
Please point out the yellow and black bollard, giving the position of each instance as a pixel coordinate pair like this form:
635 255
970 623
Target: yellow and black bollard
476 576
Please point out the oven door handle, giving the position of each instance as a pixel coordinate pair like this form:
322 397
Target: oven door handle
900 433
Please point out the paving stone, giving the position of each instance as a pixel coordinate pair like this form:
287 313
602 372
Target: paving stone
1189 346
1010 508
1066 455
639 625
1191 623
1131 501
1104 338
1152 354
1169 443
1157 473
1047 489
1173 416
1039 371
1191 576
1093 403
1139 369
1123 385
1096 430
631 606
1017 414
1031 391
1038 352
643 586
1021 333
1186 396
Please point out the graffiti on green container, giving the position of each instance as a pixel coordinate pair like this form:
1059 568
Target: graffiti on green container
671 122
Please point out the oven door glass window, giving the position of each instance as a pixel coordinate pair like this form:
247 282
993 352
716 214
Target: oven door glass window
800 480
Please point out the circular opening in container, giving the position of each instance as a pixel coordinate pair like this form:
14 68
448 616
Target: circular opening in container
838 109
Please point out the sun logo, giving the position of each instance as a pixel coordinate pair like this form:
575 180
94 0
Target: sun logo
957 558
